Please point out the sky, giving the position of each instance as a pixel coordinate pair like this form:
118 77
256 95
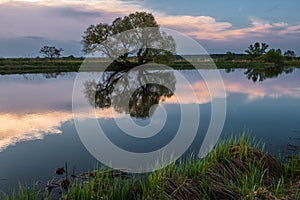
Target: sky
218 25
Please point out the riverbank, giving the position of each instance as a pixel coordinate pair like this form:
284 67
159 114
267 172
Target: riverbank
23 66
27 65
234 169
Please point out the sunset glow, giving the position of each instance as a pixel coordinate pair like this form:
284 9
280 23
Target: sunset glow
24 126
63 22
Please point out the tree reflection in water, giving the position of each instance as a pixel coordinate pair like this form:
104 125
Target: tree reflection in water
118 89
261 74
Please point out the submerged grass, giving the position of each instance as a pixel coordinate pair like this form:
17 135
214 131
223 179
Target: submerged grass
236 168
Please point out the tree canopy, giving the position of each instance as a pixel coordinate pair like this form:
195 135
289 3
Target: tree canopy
115 90
262 74
257 49
274 56
289 54
229 55
51 52
130 37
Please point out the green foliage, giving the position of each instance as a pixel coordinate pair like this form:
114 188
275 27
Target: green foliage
261 74
24 192
125 38
229 56
257 49
103 94
237 168
51 52
274 56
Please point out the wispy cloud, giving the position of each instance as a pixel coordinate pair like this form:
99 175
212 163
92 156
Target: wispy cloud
261 28
205 27
26 116
16 128
67 20
46 17
200 27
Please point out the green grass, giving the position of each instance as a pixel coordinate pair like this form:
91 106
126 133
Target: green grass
236 168
30 65
24 192
21 66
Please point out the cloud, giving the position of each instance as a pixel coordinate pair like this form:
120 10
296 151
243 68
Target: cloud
29 46
262 28
58 20
25 116
271 88
200 27
77 13
207 28
255 93
67 19
16 128
33 93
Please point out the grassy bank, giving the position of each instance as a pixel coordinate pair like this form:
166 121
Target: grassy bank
235 169
23 65
20 66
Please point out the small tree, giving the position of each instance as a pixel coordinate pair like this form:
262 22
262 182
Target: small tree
289 54
257 49
274 56
229 55
51 52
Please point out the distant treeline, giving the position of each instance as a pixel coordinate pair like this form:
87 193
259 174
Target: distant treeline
71 57
236 56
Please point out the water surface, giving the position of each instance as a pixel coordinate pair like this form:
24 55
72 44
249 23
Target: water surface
37 131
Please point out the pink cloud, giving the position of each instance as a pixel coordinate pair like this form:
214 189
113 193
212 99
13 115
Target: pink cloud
211 29
57 19
62 20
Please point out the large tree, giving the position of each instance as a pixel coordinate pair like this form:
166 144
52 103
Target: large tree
257 49
129 37
115 90
51 52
